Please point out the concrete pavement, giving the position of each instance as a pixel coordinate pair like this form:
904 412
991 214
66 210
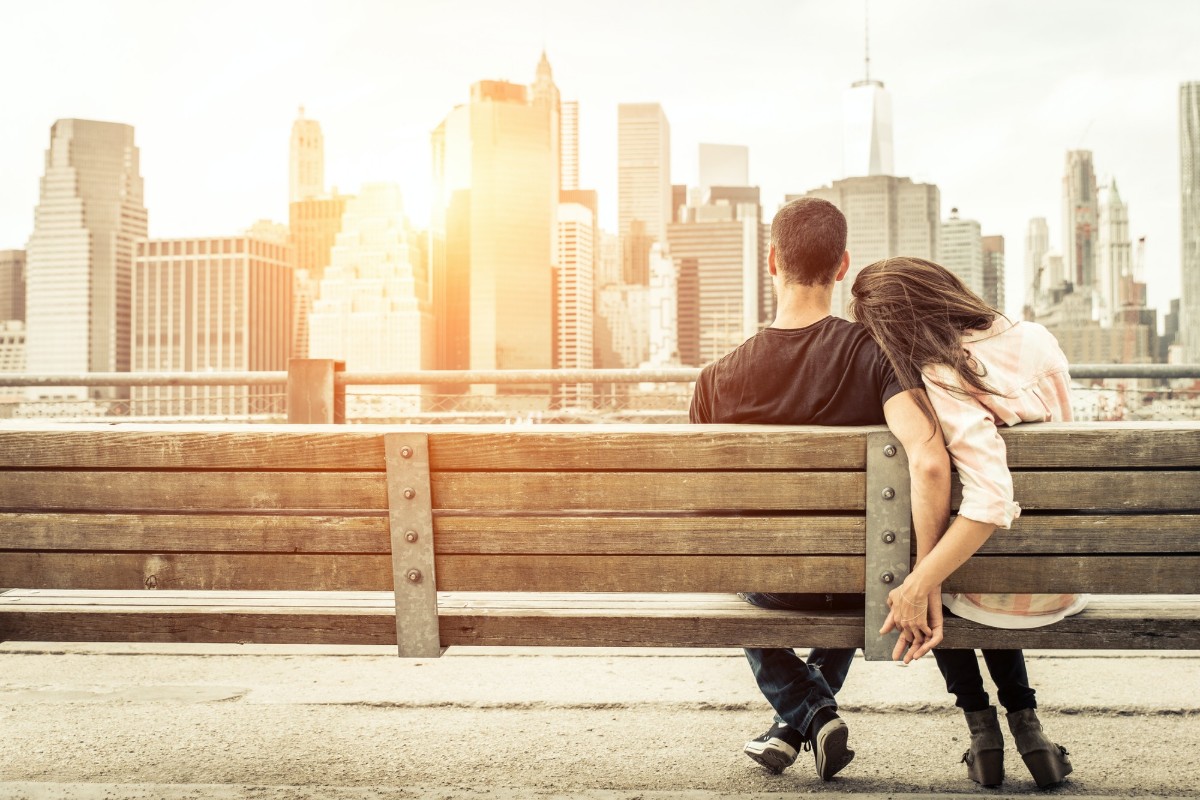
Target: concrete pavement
92 721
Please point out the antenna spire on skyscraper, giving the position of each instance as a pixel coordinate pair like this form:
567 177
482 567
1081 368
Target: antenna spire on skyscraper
867 36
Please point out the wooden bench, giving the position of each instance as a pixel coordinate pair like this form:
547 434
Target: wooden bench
565 535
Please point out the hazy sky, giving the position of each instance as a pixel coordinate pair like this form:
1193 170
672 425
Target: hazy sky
987 96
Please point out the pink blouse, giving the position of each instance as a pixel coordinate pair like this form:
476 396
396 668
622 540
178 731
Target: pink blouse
1029 372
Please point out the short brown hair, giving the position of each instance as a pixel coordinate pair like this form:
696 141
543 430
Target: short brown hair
809 235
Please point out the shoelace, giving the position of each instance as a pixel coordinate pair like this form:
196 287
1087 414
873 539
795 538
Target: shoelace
807 746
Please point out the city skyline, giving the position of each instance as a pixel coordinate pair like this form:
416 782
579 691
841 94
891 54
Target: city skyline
990 130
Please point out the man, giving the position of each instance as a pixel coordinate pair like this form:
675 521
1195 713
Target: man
811 368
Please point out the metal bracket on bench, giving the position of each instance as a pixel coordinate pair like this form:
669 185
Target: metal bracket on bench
889 537
410 516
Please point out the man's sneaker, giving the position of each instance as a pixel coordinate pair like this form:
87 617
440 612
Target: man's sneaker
777 748
829 748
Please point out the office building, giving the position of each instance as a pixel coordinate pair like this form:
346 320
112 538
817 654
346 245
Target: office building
662 305
1115 273
643 184
1081 221
313 226
993 271
373 310
306 159
717 255
1189 207
622 328
217 304
574 299
79 260
12 346
961 250
724 165
492 230
12 285
887 216
1037 244
569 127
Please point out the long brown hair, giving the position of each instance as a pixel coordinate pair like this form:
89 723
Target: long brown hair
918 312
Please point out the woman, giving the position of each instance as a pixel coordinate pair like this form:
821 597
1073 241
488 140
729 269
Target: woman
980 371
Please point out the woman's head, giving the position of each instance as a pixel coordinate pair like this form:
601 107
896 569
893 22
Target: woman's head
918 312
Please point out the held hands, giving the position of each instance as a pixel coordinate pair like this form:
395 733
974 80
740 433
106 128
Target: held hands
918 617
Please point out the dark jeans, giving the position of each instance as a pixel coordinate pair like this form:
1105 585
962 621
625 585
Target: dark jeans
960 668
795 689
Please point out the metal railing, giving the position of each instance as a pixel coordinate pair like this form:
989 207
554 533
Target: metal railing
321 391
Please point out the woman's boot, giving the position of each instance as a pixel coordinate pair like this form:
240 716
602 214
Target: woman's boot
1047 761
985 759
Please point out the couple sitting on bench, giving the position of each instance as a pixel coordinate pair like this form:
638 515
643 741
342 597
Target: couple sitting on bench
943 370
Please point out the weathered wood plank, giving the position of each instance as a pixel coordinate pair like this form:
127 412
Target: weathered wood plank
1103 445
667 535
22 490
26 445
650 491
365 491
459 448
1129 574
196 447
1032 534
1097 534
346 572
1104 491
1108 623
169 533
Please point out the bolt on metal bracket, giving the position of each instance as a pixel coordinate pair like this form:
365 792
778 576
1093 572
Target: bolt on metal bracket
889 537
410 517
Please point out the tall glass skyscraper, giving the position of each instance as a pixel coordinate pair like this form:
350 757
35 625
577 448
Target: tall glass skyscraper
1081 221
80 256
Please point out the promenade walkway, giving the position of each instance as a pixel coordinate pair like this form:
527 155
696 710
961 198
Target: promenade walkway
113 721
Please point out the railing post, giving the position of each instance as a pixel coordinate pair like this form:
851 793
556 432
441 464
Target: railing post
889 537
313 397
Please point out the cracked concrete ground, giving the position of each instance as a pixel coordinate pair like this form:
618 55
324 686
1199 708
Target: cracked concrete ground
113 721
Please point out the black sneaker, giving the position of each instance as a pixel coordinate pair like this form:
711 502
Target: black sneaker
829 748
777 748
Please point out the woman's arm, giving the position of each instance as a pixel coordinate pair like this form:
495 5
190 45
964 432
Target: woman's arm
929 474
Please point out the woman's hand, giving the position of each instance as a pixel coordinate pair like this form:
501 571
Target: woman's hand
918 617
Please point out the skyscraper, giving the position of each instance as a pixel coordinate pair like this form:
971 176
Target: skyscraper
724 165
1037 244
993 271
1081 217
1189 206
961 250
12 285
716 251
313 226
306 159
494 209
544 95
574 297
570 145
1115 276
80 256
643 184
887 216
373 309
218 303
867 126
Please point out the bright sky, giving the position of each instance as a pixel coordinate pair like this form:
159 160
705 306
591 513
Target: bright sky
987 96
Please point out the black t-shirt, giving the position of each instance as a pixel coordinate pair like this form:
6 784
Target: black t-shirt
829 373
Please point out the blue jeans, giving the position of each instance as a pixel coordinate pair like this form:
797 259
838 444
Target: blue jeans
795 689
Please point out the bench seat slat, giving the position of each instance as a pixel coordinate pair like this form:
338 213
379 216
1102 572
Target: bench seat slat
1114 622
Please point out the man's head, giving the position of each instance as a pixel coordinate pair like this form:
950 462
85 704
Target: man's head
808 241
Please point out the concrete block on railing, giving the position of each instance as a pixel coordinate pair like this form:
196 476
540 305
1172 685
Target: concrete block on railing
313 396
